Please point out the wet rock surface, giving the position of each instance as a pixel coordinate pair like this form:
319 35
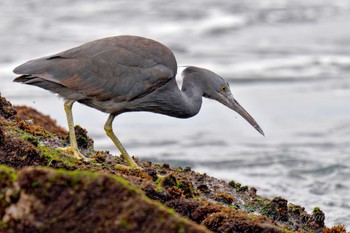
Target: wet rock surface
45 190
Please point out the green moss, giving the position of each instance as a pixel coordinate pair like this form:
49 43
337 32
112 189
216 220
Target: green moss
159 188
266 210
158 180
7 173
124 224
232 183
235 206
75 180
169 181
316 210
180 170
3 225
52 154
264 206
30 139
238 186
15 132
181 229
7 178
25 132
12 131
76 177
294 209
285 230
35 184
180 185
186 186
242 188
255 205
25 137
318 216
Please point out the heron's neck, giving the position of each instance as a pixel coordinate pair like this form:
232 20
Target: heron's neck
191 97
172 101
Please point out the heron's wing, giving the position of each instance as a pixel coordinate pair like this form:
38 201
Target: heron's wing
122 68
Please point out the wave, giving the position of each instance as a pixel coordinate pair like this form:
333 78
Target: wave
298 67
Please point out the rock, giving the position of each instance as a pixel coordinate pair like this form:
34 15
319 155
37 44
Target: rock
43 189
6 109
79 201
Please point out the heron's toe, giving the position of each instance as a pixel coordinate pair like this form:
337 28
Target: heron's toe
75 152
133 167
79 155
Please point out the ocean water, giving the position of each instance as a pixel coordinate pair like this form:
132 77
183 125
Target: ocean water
288 64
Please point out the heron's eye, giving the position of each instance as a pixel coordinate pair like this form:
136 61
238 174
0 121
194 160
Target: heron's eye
223 88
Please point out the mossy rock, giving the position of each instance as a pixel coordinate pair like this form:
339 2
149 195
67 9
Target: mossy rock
77 201
46 200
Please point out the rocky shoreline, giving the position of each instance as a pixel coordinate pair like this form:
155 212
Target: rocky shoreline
44 190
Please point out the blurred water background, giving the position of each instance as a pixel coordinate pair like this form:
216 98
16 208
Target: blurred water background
287 62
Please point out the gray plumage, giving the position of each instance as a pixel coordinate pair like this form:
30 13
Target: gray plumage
127 73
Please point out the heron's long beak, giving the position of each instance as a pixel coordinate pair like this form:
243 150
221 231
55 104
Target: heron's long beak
230 102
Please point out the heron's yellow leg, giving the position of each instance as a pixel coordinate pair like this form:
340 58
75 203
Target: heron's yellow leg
113 137
73 148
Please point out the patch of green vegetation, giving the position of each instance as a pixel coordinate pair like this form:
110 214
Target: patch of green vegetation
232 183
235 206
158 180
180 185
264 207
181 229
7 177
316 210
15 132
31 139
259 200
124 223
294 209
251 207
242 188
52 154
284 230
7 173
159 188
35 184
3 225
318 215
238 186
76 177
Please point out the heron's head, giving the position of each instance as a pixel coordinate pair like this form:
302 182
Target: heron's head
215 87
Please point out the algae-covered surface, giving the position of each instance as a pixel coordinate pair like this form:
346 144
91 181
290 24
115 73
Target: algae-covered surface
43 189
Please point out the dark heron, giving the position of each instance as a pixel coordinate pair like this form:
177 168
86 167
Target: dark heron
124 74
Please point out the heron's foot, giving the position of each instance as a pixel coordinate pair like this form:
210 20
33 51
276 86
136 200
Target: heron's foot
131 164
125 167
75 152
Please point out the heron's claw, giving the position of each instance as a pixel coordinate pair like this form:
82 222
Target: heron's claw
76 153
122 167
